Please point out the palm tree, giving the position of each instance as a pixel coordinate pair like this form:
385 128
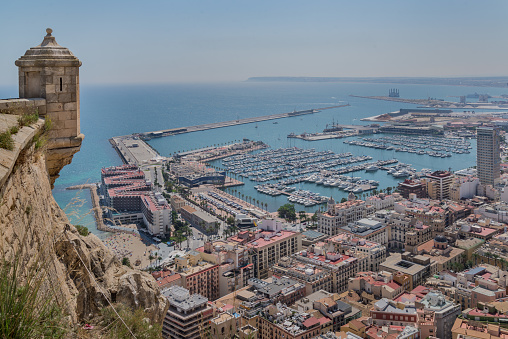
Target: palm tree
151 257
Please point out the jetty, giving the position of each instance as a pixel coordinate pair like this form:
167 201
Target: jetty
203 127
97 210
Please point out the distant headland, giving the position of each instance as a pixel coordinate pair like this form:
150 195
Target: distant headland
501 81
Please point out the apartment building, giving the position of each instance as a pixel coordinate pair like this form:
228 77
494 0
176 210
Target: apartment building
339 215
319 267
188 314
198 276
438 185
368 229
267 245
373 252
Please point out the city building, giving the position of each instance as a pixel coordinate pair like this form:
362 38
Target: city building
368 229
377 284
408 186
188 315
233 260
284 290
445 312
464 187
441 254
471 329
129 199
267 245
339 215
198 275
388 312
382 201
194 173
199 219
372 253
438 185
319 268
224 325
488 155
417 267
177 202
338 311
416 236
493 252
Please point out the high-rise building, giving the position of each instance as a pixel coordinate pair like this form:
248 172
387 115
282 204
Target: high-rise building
487 155
438 185
188 316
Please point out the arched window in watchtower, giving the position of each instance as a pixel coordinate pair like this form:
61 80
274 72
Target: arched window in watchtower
61 84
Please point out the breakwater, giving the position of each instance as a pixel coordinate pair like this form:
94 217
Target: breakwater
97 210
196 128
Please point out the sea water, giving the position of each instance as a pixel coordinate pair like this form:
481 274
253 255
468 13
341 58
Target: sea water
108 111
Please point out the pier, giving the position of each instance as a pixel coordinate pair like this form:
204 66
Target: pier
196 128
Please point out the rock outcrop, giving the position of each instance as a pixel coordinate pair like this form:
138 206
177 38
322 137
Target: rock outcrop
80 270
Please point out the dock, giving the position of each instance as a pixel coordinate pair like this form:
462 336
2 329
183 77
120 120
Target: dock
134 151
347 131
196 128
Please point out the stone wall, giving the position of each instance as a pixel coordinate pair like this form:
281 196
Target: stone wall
61 146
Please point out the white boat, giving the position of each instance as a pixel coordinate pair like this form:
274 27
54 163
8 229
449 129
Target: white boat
371 168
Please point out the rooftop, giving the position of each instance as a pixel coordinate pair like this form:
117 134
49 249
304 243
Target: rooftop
180 298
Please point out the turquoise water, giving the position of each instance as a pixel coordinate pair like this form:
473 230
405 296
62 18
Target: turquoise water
108 111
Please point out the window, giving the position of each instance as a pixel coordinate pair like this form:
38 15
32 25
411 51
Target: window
61 84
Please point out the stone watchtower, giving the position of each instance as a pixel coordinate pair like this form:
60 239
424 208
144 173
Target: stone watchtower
51 72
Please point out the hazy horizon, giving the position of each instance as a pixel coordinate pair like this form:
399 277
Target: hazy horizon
228 41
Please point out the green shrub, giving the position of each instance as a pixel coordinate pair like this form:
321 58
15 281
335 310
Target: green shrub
47 124
6 141
14 129
28 119
82 230
126 262
39 141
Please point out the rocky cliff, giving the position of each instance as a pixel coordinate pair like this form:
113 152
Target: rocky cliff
78 268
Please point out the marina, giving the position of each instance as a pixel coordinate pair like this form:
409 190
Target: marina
421 145
289 166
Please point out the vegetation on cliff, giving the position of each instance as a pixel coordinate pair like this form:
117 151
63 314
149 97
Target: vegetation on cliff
25 312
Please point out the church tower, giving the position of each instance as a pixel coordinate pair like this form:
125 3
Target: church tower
51 72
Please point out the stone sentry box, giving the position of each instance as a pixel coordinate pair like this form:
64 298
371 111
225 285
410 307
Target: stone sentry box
51 71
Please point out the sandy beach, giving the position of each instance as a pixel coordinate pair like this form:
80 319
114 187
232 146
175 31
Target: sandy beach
130 246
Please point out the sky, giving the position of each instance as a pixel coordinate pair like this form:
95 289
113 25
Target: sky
170 41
